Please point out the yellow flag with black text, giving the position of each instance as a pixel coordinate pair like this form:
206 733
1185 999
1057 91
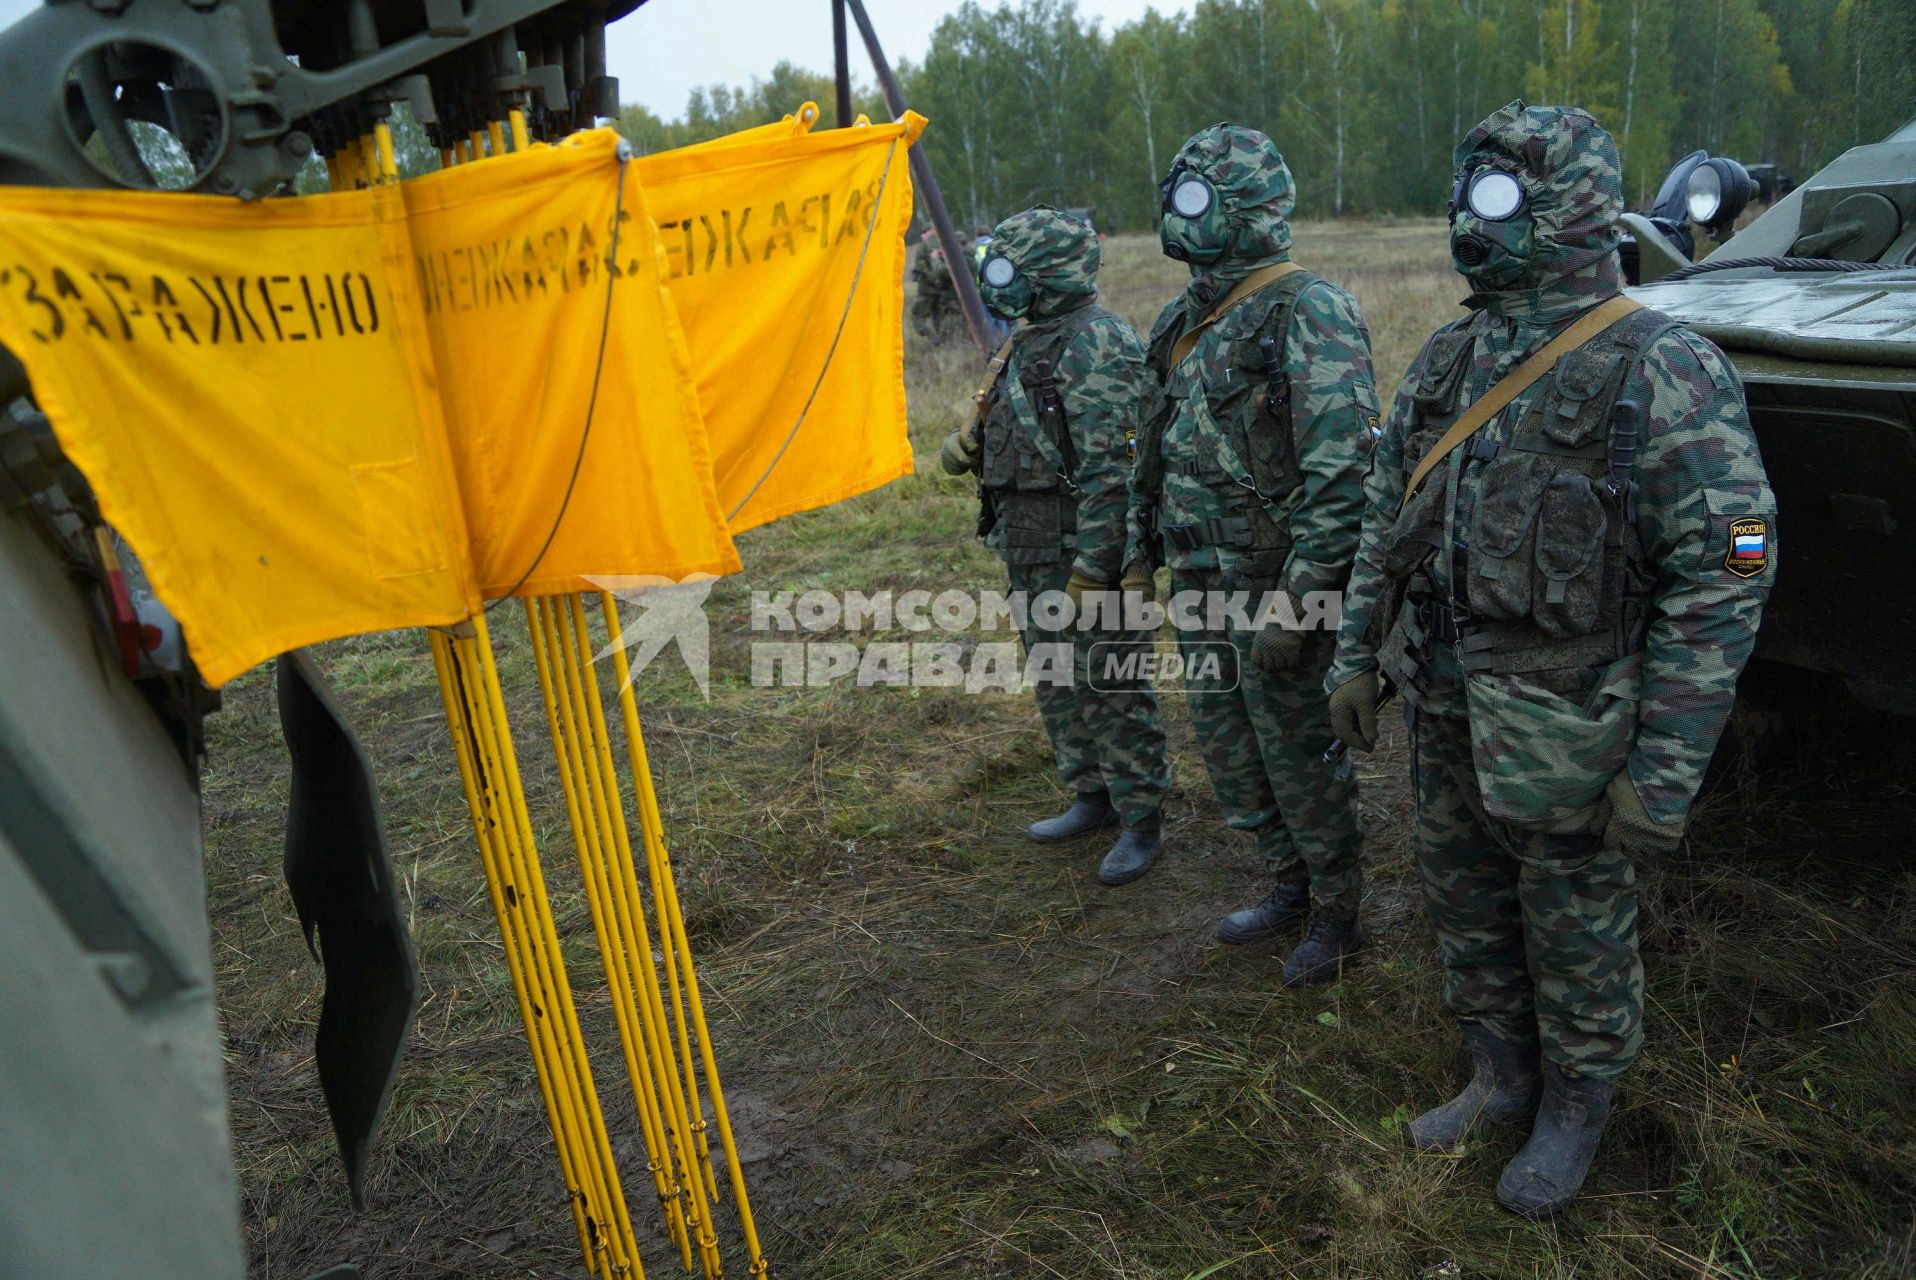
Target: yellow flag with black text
249 391
786 259
569 392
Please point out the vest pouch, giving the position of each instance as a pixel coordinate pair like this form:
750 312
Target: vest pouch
1435 393
1259 413
1542 760
1502 541
1574 411
1036 528
1568 599
998 464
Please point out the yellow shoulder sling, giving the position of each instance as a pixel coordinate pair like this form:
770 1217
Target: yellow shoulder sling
1514 383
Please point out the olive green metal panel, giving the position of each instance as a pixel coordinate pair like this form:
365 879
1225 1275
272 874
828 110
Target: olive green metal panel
1853 319
114 1153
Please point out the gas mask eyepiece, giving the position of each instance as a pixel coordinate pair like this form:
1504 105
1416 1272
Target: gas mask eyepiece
1186 194
1006 291
1489 195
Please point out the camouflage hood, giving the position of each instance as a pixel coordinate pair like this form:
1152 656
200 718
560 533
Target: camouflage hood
1057 253
1573 189
1255 197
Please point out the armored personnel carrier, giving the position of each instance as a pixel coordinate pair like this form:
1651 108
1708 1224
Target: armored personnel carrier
1814 301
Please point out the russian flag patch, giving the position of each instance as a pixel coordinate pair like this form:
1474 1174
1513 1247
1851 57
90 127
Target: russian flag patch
1749 550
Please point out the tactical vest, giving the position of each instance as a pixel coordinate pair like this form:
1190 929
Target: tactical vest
1030 494
1251 401
1547 572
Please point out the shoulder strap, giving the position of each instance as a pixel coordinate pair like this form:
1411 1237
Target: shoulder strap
994 369
1514 383
1239 292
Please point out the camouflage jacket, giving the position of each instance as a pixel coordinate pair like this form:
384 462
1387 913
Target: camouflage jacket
1701 481
1099 376
928 268
1332 414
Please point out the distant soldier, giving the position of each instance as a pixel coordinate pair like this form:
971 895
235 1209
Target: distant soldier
1564 597
1249 480
1050 444
934 310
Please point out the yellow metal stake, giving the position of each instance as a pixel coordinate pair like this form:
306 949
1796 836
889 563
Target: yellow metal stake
538 910
592 712
665 896
588 840
486 826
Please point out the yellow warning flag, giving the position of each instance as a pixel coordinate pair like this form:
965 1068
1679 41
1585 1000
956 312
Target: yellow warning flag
248 390
570 399
786 258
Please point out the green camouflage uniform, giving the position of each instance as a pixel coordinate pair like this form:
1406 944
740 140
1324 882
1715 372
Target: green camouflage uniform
1284 517
1053 519
934 306
1542 639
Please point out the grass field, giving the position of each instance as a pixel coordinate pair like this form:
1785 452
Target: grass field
950 1053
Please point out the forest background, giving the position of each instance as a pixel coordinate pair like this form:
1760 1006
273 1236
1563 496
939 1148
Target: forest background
1035 102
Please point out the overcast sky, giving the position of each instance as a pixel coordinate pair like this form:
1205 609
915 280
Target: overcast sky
668 47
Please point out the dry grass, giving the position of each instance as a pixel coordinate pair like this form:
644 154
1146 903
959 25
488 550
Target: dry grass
951 1054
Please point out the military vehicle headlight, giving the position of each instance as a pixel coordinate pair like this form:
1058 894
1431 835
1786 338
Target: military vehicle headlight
1706 194
1718 189
998 272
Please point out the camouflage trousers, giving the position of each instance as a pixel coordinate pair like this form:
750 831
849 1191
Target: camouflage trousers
1537 933
1263 741
933 311
1110 739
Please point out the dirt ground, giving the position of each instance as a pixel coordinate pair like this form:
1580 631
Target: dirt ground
950 1053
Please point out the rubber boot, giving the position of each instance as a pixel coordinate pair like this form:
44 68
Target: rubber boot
1547 1174
1132 856
1320 957
1504 1086
1091 811
1282 907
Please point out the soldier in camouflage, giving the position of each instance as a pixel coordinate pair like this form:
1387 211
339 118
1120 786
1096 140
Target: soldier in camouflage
1565 603
1050 443
1249 479
934 307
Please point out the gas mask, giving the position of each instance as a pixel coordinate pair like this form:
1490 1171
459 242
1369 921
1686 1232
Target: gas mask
1005 289
1492 234
1194 228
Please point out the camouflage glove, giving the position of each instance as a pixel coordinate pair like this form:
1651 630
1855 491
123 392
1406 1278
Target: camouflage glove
1623 822
1137 580
1354 710
960 451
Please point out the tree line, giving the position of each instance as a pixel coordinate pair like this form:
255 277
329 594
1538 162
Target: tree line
1033 102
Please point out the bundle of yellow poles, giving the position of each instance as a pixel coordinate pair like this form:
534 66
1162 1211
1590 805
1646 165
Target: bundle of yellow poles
661 1021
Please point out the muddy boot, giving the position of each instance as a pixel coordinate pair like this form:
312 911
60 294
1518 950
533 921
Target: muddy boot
1504 1086
1091 811
1547 1174
1320 957
1132 856
1282 907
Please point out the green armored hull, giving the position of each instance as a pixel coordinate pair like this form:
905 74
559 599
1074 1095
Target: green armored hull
1822 328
